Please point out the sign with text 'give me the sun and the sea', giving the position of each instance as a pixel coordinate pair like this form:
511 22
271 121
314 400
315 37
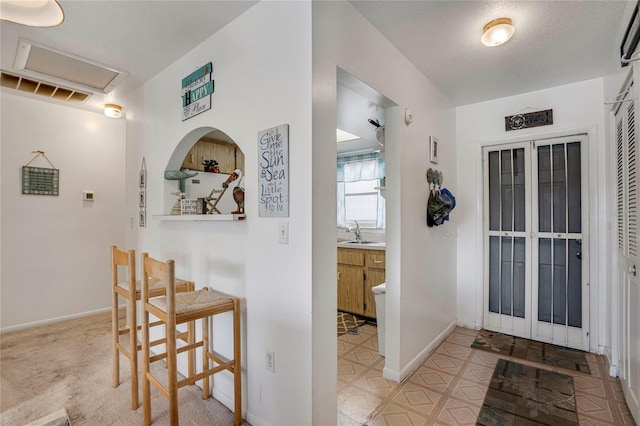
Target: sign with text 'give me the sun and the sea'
273 172
196 92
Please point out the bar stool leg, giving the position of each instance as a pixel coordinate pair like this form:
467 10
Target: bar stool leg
172 368
115 331
133 352
191 339
146 386
237 368
206 390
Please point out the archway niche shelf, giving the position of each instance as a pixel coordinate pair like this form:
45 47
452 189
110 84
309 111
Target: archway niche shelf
187 178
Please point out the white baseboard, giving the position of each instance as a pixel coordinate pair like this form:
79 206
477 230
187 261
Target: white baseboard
223 398
468 324
399 376
613 366
52 320
255 421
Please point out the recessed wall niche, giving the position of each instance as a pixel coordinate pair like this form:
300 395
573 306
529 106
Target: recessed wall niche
207 165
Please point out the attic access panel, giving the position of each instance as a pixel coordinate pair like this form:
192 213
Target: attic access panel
45 61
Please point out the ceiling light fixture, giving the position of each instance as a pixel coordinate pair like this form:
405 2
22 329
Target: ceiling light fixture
497 32
113 110
33 13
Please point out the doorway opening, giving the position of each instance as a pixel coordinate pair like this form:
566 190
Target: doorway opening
361 226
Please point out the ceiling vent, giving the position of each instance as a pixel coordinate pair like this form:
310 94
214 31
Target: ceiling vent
44 63
42 88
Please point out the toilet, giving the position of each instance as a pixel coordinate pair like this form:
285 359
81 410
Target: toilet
379 296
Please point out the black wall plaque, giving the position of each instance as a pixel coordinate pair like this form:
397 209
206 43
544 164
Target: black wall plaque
531 119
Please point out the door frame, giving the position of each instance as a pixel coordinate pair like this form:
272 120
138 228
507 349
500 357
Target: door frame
529 326
597 269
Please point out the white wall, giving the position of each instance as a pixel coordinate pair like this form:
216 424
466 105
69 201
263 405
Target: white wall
577 108
421 272
262 73
55 250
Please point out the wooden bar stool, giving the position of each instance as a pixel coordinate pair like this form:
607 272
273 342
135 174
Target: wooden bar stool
174 309
131 290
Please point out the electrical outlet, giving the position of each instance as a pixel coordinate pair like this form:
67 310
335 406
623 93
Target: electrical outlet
283 232
270 361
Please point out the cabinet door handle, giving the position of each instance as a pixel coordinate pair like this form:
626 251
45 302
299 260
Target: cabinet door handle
338 274
377 261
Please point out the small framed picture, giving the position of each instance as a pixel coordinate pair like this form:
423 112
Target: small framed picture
143 178
143 174
433 149
142 198
142 219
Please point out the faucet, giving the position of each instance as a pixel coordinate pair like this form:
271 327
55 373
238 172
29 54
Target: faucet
356 230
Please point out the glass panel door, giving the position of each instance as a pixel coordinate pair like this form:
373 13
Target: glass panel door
506 211
535 251
559 290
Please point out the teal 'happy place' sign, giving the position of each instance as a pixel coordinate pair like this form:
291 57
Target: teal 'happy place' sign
196 92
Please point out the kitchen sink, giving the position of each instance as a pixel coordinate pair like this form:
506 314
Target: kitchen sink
362 242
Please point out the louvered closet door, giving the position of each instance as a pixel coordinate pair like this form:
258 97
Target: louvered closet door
535 251
627 192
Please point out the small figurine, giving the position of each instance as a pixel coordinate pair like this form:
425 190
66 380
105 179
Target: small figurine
238 191
211 166
175 210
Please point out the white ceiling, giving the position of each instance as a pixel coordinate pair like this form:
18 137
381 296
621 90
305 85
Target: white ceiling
556 42
138 37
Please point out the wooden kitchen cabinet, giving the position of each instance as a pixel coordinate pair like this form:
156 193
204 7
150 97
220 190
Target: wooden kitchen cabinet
228 156
359 270
350 288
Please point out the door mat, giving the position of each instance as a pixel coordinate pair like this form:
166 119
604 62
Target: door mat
545 353
348 323
523 395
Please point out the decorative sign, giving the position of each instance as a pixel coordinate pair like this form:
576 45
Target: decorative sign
190 206
40 181
196 92
273 172
531 119
142 195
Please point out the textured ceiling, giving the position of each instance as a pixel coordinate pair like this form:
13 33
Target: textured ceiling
138 37
555 43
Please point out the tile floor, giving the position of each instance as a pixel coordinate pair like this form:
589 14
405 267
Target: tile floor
449 387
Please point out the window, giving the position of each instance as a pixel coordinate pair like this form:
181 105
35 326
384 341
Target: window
358 197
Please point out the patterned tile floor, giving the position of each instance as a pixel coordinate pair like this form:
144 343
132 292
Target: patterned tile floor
449 387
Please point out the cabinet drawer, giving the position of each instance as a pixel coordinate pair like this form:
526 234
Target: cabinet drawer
375 260
350 257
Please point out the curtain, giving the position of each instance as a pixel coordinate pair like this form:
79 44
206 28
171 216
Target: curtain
359 167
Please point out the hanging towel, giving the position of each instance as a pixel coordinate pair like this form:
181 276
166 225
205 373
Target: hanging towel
439 206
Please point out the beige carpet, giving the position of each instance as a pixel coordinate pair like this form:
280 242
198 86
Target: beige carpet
68 365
